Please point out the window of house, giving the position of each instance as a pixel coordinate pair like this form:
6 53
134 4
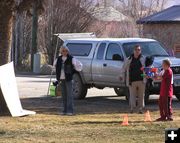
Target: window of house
177 48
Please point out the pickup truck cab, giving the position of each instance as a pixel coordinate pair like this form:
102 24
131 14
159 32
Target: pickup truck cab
103 59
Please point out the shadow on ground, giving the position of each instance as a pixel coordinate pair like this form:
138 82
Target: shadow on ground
90 105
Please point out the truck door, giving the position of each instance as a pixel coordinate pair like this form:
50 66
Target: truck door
107 66
97 64
112 64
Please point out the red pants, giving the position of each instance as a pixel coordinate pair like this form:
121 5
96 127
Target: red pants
165 106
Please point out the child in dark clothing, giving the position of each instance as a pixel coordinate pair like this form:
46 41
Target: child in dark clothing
166 92
149 63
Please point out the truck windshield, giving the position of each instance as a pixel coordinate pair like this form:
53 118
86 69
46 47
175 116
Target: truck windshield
148 49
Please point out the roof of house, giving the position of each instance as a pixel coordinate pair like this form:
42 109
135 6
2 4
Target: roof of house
108 14
169 15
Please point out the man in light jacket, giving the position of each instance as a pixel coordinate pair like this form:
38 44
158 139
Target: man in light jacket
134 79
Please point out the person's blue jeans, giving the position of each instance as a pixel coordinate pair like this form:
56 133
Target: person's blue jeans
67 96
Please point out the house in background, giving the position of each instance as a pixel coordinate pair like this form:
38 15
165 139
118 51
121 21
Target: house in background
164 26
109 22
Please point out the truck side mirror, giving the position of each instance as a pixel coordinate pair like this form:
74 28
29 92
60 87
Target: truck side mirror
117 57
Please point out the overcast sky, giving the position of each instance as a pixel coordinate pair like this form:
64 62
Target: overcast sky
173 2
170 3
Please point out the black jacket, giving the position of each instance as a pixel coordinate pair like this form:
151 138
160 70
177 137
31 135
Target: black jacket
135 72
68 68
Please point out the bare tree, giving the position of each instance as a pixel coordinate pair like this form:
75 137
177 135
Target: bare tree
63 16
137 9
7 9
140 8
21 41
60 16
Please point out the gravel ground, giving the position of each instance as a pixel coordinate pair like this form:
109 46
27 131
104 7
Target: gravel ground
33 91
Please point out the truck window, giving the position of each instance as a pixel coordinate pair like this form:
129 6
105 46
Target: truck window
148 49
101 50
113 50
79 49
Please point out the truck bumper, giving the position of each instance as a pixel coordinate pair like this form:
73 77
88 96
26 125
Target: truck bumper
155 89
176 86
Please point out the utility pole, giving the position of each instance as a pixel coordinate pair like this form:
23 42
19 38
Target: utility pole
34 31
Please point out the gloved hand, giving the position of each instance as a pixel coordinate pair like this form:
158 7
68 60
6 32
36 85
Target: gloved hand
55 83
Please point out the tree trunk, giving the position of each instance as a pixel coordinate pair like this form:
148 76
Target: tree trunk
5 41
34 32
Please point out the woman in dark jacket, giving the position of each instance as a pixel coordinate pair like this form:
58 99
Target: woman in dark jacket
65 67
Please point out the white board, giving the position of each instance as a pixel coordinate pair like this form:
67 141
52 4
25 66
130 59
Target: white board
9 89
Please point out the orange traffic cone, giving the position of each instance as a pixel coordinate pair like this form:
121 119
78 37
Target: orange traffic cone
147 117
125 120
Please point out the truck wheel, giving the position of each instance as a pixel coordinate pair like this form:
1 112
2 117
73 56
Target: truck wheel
122 92
79 89
147 91
146 96
178 96
127 95
119 91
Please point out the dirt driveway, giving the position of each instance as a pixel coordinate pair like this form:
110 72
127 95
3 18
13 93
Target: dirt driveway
33 93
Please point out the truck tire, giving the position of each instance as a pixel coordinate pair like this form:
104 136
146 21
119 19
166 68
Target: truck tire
178 96
122 92
127 94
147 92
119 91
146 97
79 89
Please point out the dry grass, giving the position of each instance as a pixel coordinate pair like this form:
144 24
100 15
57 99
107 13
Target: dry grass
101 126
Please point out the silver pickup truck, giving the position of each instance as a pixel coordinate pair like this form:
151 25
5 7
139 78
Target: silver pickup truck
103 59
